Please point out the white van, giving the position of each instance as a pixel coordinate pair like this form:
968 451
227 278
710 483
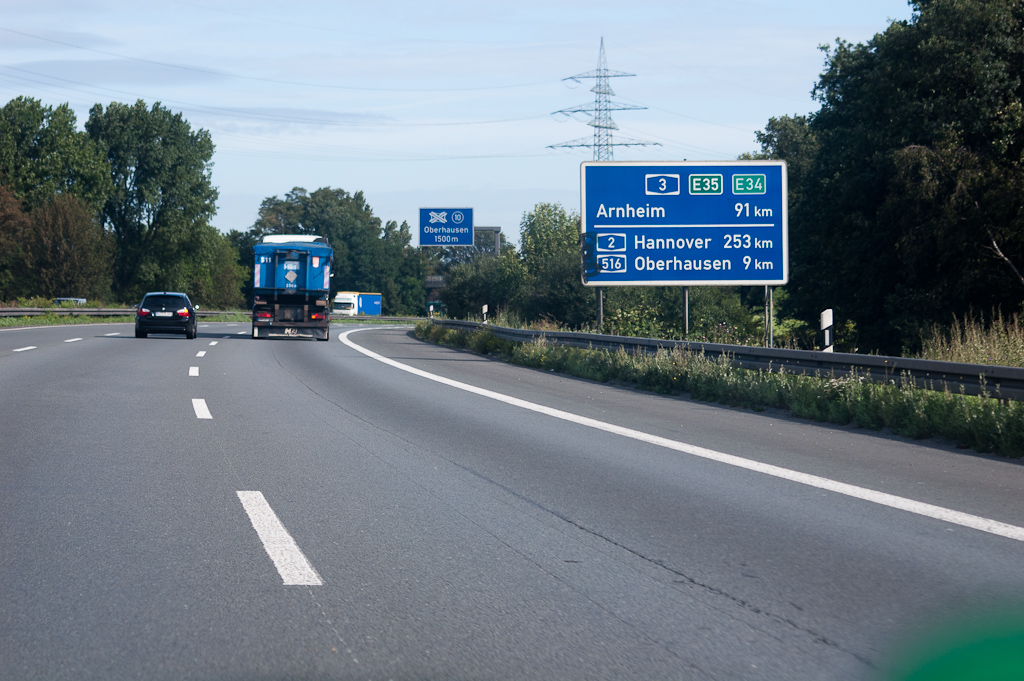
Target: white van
347 303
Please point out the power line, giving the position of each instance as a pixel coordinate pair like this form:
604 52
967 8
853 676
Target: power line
225 74
600 113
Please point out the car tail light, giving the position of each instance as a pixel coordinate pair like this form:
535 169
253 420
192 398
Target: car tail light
183 312
143 312
262 315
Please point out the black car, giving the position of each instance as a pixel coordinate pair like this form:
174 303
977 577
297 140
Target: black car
165 312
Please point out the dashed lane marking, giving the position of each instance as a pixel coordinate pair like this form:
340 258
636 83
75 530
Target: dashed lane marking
116 333
873 496
27 347
202 411
72 340
291 563
193 371
201 353
214 342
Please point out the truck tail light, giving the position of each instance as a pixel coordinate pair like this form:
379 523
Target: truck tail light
262 315
317 315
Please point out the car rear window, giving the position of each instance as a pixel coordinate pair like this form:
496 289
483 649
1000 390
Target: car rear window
164 301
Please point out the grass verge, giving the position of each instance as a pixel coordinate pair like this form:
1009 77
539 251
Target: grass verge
985 424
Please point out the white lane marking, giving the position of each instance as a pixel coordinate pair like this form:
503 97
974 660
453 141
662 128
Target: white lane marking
288 558
241 333
204 326
72 340
27 347
116 333
214 342
201 353
193 371
873 496
202 411
225 336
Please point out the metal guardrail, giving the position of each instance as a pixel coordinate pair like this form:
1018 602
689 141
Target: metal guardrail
973 379
86 312
366 318
122 311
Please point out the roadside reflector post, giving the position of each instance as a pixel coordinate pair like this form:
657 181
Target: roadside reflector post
826 328
600 309
769 316
485 314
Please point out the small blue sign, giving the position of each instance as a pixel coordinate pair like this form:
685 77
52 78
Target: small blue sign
446 226
684 223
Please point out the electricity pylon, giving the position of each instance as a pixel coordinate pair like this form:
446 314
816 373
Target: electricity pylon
600 113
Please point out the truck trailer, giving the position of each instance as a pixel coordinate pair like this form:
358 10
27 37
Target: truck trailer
352 303
291 287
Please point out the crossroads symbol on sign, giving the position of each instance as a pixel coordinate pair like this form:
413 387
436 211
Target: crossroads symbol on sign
439 217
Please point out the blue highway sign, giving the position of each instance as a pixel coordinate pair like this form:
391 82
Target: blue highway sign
689 223
446 226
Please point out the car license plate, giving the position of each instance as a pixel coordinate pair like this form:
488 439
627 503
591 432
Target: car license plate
162 314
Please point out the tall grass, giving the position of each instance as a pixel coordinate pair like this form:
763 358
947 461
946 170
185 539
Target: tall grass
971 340
985 423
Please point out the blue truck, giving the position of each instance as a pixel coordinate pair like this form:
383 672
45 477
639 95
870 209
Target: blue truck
291 287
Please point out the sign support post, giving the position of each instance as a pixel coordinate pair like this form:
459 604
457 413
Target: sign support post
686 312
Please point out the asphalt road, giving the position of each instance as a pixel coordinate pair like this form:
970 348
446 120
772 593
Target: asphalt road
297 509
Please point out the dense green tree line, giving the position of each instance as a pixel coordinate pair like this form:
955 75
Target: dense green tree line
369 255
110 212
907 184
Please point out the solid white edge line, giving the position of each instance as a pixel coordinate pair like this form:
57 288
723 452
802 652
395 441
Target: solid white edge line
202 411
291 563
193 371
72 340
201 353
882 498
27 347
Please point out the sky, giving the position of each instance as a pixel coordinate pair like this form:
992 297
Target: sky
431 104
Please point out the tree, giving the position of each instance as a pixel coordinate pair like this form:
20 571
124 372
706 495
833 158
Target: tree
162 197
67 251
42 153
910 211
485 280
550 238
216 279
14 231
